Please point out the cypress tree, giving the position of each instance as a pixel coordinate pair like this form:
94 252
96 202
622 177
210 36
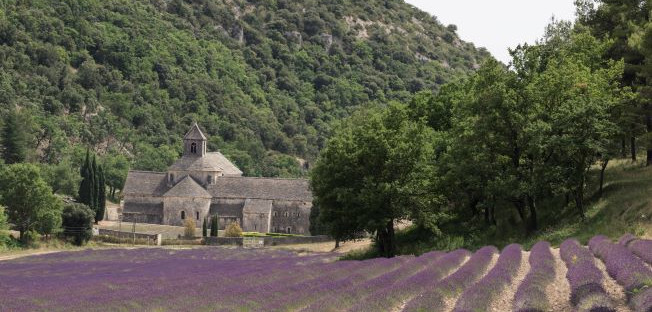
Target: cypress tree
101 197
204 229
95 187
214 226
85 187
14 139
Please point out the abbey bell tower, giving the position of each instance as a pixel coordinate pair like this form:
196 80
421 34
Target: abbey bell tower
194 142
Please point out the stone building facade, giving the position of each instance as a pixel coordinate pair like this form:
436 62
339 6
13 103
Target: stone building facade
202 184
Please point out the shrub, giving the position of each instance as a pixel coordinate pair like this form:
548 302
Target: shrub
189 228
204 229
233 230
77 221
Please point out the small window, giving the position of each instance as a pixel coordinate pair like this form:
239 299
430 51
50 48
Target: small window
289 230
197 214
255 227
275 213
183 215
193 148
286 214
209 179
297 214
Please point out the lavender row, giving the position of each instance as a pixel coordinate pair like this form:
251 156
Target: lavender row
585 278
627 269
347 297
455 283
642 248
393 295
482 293
531 293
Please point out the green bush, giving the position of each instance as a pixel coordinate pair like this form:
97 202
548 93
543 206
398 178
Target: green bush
189 228
233 230
77 221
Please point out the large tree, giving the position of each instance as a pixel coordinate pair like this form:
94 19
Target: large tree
27 197
374 171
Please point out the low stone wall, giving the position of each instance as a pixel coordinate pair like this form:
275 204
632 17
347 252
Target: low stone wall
268 240
129 235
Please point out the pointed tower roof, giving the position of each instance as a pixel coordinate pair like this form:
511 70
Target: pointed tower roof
187 188
194 133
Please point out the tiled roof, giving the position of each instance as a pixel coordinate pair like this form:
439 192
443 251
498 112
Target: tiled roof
145 183
210 162
195 133
188 187
257 206
261 188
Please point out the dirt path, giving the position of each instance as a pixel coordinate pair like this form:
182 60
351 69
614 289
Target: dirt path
505 300
558 291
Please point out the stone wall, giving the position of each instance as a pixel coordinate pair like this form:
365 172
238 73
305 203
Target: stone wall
155 238
256 222
292 215
173 206
269 241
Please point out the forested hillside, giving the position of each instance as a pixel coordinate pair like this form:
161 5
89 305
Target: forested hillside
264 79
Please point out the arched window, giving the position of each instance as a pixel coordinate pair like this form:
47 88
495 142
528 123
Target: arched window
183 215
289 230
275 213
197 214
193 148
286 214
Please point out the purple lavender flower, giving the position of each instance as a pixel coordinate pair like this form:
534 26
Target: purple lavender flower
455 283
642 248
530 295
622 264
585 279
480 295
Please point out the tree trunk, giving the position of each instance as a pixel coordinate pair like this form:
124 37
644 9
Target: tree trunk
648 124
602 169
337 243
385 239
520 207
579 201
534 225
632 147
623 148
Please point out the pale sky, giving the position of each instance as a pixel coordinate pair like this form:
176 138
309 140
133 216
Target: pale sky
498 24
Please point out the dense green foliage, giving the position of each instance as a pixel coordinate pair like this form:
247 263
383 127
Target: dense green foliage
29 201
263 78
78 223
204 228
625 26
507 141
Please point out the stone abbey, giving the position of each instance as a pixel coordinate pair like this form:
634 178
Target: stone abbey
202 184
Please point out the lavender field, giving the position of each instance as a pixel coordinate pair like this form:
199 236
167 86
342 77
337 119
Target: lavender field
605 276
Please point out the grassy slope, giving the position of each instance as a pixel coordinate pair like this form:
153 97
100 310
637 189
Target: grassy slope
625 207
